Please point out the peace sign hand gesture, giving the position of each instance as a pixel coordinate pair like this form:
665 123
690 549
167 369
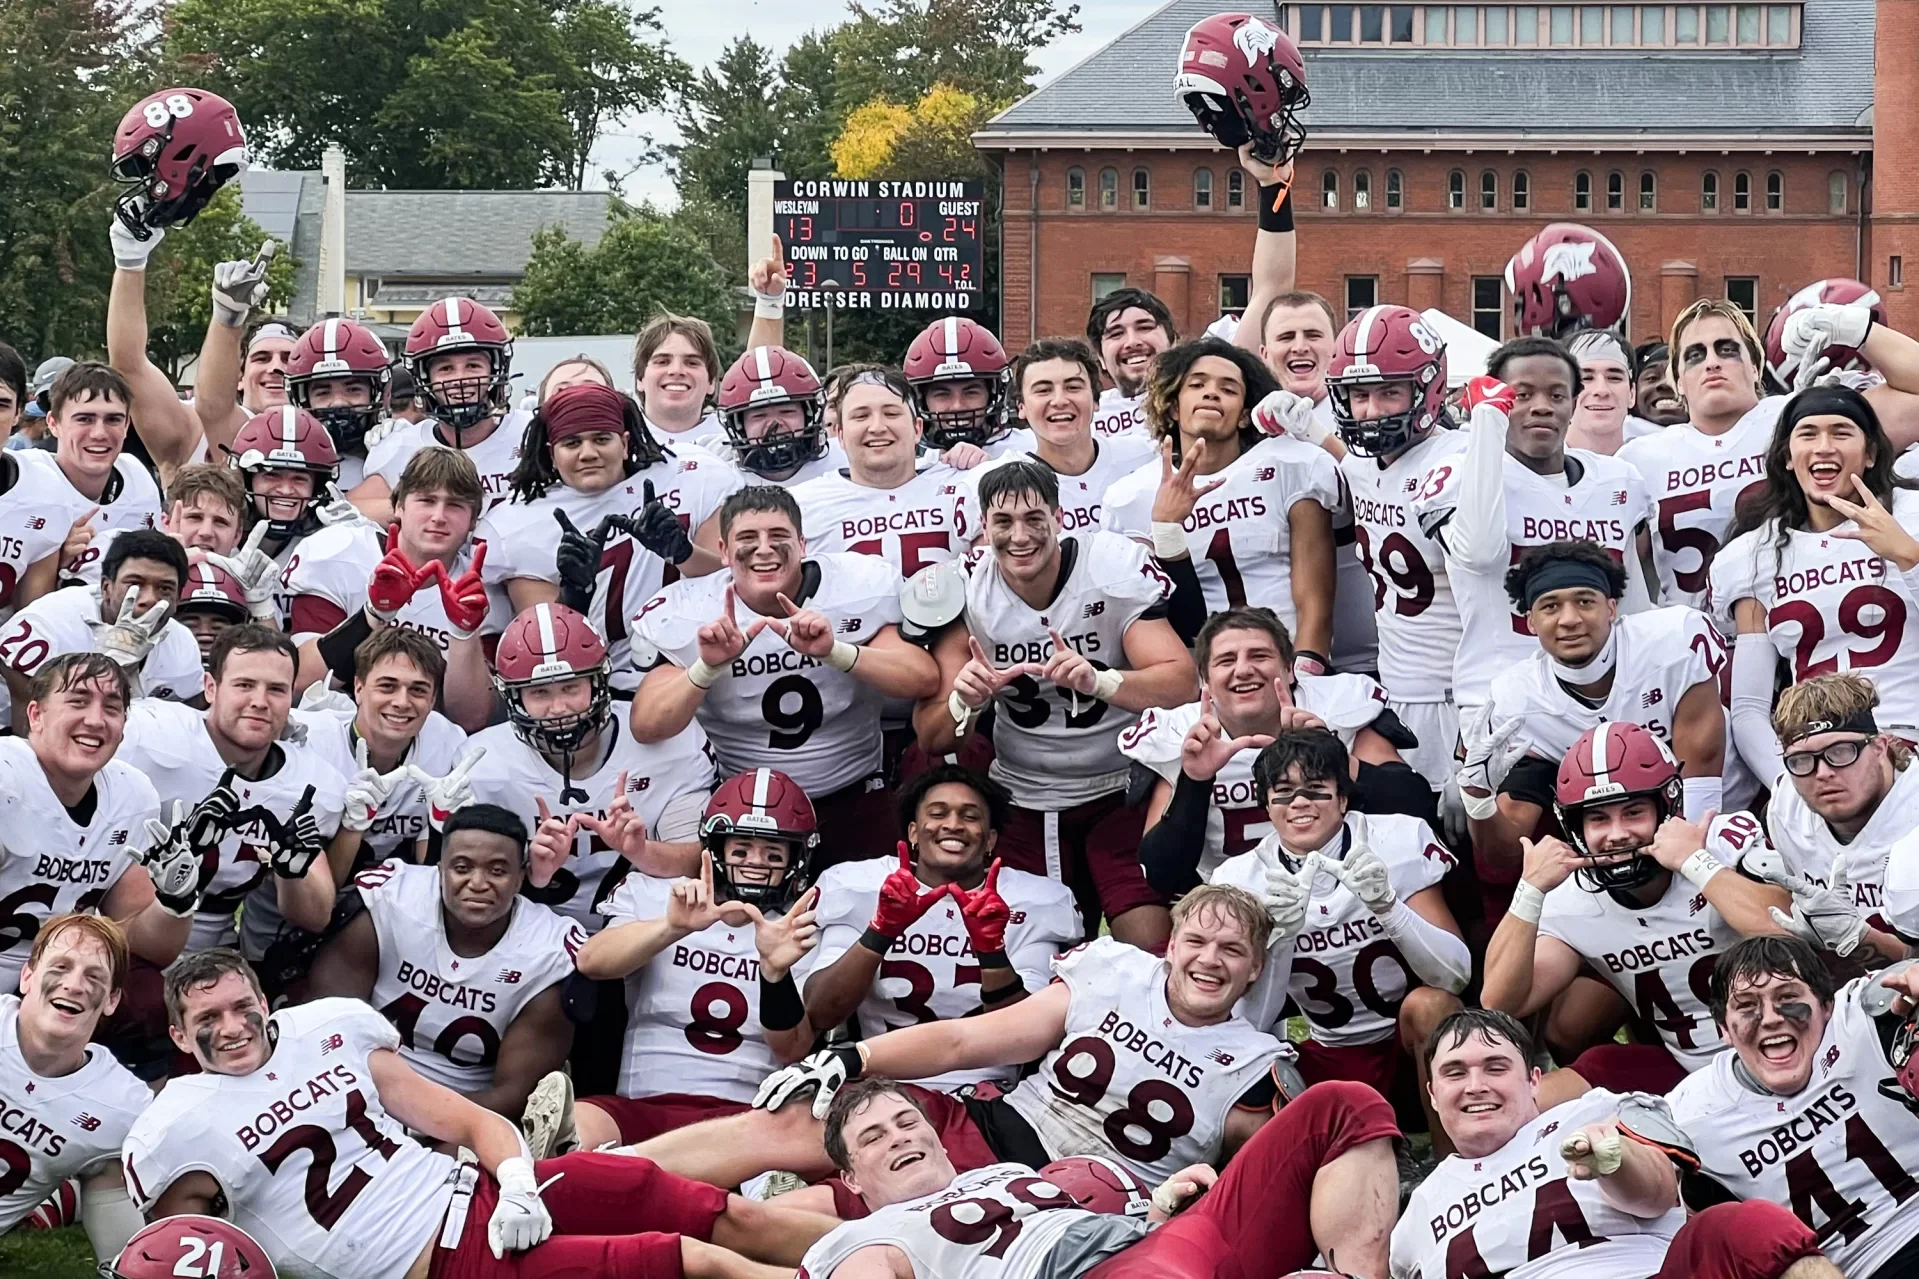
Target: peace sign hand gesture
979 679
1877 527
1179 487
1209 747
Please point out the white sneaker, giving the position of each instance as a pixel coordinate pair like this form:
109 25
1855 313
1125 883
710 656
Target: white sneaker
548 1118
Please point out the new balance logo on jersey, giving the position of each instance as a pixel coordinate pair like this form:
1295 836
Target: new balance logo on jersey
1264 474
1220 1056
1095 609
332 1043
1652 697
1697 904
86 1122
509 977
1618 497
118 837
1832 1059
847 625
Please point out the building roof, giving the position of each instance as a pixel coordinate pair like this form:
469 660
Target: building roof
453 234
288 206
1822 90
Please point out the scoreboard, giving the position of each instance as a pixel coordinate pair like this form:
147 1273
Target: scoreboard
881 245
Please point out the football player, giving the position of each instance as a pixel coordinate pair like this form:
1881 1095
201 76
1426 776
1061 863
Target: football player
102 488
34 525
1810 1109
1589 1186
425 574
790 668
1318 1180
1198 758
1362 938
128 616
218 1139
1386 387
68 1105
946 931
339 372
1233 517
206 508
1655 398
602 517
675 367
288 464
957 370
1816 571
1210 1082
775 414
278 801
1514 486
468 971
1129 328
710 966
211 601
1635 894
1603 419
1066 635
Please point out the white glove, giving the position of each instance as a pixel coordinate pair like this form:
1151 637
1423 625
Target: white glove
380 430
1452 814
172 863
240 286
1596 1150
519 1219
1284 413
255 571
369 791
1287 895
1822 916
824 1072
1364 873
129 638
319 697
447 795
130 252
338 510
1825 324
1491 752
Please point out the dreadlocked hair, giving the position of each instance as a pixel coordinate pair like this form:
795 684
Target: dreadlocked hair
535 472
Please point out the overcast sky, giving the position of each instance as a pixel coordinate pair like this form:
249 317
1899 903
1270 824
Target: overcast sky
699 29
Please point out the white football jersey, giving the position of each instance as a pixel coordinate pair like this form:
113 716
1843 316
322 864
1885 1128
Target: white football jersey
924 521
1808 847
693 1010
1236 821
1606 505
170 744
1659 957
66 620
1414 609
1832 604
512 774
1695 481
1129 1080
1239 534
1342 970
1516 1213
773 705
1080 496
131 500
495 458
453 1011
944 1236
52 865
55 1129
312 1166
1054 749
1117 414
33 525
327 583
523 540
403 819
930 973
1659 655
1838 1153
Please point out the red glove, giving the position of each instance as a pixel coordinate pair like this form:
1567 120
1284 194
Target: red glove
985 912
464 597
395 578
901 901
1489 390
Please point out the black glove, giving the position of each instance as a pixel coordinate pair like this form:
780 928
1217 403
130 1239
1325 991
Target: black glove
578 561
182 852
293 845
658 529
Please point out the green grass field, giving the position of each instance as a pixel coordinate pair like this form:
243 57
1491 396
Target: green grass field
47 1254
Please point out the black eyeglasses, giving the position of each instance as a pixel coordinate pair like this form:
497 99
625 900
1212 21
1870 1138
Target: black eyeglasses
1838 755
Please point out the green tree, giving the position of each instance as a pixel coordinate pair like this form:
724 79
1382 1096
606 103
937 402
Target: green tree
614 66
729 116
646 262
179 297
900 49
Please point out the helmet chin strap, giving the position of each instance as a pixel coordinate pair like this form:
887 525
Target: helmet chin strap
1597 667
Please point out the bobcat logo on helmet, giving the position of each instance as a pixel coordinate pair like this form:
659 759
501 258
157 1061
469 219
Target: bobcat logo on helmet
1567 261
1254 38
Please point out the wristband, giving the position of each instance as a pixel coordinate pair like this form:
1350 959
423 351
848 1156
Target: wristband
963 715
1478 807
1169 540
769 306
1106 683
1700 867
842 655
1276 207
992 959
700 675
876 941
1002 994
1528 902
1307 662
186 910
781 1007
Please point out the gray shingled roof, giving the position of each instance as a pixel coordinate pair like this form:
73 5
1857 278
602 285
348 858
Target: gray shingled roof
461 233
1823 87
287 205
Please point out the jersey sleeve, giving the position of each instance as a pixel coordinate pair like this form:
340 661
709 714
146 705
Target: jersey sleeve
168 1140
845 906
1316 478
363 1030
389 457
1128 575
1735 576
523 541
1128 509
1156 740
1438 495
663 630
1101 960
639 896
1421 860
1347 703
173 669
1737 839
1044 925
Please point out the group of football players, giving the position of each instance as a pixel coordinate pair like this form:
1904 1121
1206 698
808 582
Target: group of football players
895 825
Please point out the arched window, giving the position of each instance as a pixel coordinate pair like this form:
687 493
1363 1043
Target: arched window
1648 193
1142 189
1582 192
1455 190
1775 192
1522 191
1362 191
1835 193
1236 189
1076 188
1742 193
1395 189
1615 192
1709 192
1202 188
1329 189
1108 189
1488 190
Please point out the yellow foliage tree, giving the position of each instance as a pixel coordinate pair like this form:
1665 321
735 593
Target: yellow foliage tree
935 135
867 139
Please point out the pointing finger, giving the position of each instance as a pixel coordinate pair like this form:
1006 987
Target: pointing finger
706 869
646 492
787 604
906 858
566 525
546 814
992 877
979 654
359 753
255 538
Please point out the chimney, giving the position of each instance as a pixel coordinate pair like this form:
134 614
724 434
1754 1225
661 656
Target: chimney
1892 253
332 289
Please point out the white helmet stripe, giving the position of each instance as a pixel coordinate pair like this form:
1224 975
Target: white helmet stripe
762 367
289 427
1363 339
1602 775
762 785
330 339
949 333
455 330
549 644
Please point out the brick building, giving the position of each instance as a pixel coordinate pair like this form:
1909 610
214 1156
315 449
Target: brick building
1725 148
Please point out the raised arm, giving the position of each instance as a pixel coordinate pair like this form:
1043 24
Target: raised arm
164 422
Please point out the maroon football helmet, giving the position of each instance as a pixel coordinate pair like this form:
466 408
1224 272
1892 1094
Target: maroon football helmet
172 152
1100 1185
1838 291
460 324
205 1247
1568 277
1244 81
337 348
763 377
211 588
1611 762
1386 344
955 349
770 805
547 644
287 438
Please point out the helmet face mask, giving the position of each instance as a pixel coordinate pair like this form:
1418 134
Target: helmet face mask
956 350
172 153
546 645
558 734
1613 764
1373 436
948 427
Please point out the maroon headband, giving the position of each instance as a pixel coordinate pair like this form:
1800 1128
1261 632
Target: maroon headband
583 407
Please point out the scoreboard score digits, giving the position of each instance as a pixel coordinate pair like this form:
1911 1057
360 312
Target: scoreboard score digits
881 245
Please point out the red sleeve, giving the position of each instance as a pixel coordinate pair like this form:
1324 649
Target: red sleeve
314 615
